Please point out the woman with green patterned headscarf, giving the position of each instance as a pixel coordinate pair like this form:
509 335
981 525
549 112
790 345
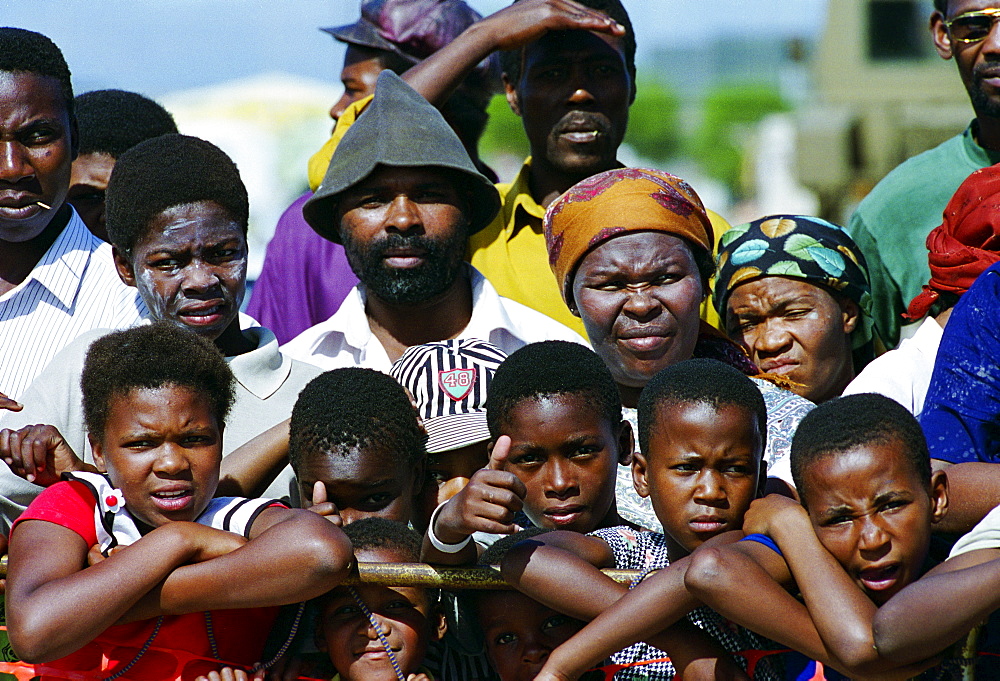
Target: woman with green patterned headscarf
794 290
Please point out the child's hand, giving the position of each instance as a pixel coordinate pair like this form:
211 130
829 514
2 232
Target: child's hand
39 454
772 512
487 504
325 508
230 674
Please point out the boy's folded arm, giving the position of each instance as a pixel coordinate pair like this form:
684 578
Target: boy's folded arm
292 555
841 612
937 610
56 606
251 467
562 571
657 603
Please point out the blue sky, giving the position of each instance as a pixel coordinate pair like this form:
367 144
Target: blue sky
157 46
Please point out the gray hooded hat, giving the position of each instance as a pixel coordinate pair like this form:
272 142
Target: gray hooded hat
399 128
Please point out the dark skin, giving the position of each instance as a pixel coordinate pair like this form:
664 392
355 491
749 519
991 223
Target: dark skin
558 463
703 471
179 566
748 583
361 68
190 269
38 139
978 65
417 201
524 25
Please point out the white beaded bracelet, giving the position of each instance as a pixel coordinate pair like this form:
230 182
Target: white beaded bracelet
437 543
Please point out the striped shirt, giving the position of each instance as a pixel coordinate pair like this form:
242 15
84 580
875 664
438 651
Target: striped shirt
72 289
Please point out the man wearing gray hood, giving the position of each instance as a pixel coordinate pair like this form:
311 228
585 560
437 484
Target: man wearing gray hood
402 195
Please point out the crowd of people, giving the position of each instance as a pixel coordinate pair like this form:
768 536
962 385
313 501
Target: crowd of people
787 429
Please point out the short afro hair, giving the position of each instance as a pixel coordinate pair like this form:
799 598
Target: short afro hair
699 381
845 423
510 61
548 368
167 171
113 121
352 409
374 533
149 357
23 51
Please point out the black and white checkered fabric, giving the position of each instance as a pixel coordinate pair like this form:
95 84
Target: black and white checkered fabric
635 550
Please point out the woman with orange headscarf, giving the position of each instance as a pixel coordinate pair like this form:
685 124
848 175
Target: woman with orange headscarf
631 250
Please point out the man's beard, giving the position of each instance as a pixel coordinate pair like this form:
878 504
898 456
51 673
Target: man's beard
406 286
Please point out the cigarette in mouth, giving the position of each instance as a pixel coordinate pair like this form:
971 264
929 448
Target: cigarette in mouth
43 205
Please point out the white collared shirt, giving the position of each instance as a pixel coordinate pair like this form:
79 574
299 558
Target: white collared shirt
74 288
346 339
904 374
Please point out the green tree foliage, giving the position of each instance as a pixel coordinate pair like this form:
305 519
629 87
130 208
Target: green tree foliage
504 133
728 112
654 120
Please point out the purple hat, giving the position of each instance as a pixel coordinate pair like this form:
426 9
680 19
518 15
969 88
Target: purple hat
413 30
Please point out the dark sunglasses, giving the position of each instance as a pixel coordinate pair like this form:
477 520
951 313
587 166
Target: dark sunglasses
972 27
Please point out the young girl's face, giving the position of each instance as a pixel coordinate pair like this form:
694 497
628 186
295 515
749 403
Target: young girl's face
702 470
162 448
405 616
566 453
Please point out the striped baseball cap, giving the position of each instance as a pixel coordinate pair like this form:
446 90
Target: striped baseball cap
449 380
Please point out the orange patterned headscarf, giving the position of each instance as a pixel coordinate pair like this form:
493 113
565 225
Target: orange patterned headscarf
966 242
619 202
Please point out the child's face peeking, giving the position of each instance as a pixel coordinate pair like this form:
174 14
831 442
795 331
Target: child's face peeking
566 453
702 470
162 448
362 482
871 510
520 633
405 615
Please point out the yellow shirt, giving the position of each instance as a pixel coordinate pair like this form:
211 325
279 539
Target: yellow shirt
510 251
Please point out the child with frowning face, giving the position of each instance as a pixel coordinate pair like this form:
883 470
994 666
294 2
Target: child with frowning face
558 438
369 630
861 534
155 400
701 426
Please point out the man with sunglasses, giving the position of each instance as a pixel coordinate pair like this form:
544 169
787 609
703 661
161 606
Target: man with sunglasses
892 223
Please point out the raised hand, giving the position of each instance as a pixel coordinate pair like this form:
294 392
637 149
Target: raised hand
527 21
487 504
39 454
322 507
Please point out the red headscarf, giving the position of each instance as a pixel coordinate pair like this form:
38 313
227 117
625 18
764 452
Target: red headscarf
966 243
